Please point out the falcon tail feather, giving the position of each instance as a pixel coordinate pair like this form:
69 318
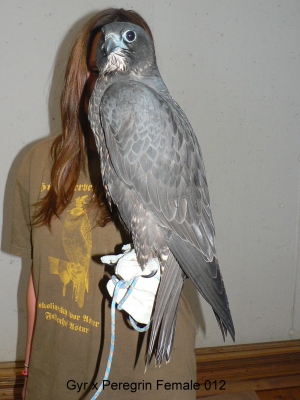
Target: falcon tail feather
165 312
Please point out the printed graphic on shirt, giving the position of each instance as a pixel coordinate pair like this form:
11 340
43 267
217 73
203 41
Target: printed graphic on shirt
77 244
78 188
67 319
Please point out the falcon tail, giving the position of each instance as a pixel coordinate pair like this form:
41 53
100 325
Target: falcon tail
165 312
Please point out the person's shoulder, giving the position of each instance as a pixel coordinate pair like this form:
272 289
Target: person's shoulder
39 153
36 160
42 148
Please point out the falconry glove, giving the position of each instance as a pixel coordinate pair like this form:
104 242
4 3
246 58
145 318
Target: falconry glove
139 303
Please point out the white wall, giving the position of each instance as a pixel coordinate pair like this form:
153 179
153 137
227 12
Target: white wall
233 66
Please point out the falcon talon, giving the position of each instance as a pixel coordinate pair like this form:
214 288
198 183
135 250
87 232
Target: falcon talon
153 273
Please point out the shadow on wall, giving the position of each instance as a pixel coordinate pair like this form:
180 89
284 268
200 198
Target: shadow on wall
55 129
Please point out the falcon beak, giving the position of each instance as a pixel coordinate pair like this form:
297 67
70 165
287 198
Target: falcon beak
113 44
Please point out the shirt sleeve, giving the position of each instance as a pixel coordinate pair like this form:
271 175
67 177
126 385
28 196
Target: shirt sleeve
20 244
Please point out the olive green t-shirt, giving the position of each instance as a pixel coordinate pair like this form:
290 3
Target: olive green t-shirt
73 323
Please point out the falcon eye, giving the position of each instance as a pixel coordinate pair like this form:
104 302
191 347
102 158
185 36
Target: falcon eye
130 36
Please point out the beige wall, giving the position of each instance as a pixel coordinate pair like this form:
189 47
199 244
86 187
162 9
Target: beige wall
233 65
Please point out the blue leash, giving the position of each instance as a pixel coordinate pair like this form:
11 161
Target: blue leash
119 284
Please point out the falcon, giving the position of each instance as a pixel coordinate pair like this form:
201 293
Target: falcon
153 171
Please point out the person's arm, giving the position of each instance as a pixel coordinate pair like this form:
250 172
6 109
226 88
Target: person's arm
31 310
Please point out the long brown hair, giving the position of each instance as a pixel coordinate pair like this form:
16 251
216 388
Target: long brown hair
69 149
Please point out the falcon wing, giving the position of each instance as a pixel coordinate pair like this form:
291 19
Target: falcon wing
154 152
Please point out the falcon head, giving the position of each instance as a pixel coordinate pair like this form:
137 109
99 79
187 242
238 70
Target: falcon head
125 47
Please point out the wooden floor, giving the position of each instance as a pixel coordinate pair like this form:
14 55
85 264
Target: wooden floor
272 394
269 370
280 394
262 371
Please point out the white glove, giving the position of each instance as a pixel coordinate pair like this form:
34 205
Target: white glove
139 303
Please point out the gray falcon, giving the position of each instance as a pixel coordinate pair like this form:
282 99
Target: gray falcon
153 170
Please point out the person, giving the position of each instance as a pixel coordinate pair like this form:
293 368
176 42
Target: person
61 221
